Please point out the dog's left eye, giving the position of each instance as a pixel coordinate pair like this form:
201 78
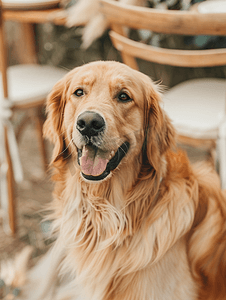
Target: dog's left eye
123 97
79 92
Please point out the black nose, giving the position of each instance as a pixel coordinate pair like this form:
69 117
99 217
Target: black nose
90 123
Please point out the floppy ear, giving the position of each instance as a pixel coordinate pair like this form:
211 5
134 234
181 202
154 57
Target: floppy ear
53 127
160 133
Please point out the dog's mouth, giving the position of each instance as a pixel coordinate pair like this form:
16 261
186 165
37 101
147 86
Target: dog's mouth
97 164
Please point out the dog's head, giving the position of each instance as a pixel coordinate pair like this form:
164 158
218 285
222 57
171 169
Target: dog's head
104 115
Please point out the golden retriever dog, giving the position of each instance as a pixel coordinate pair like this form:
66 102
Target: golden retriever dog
135 219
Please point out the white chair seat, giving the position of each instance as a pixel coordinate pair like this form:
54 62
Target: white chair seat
197 107
31 83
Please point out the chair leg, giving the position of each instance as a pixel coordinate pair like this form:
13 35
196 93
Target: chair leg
39 127
11 185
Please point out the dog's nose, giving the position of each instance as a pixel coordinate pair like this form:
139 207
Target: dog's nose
90 123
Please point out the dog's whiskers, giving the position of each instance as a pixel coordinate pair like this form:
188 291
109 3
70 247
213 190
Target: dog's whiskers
62 133
66 148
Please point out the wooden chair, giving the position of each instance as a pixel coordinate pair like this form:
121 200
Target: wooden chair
24 87
197 106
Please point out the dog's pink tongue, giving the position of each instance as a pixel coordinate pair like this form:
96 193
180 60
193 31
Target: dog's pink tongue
91 161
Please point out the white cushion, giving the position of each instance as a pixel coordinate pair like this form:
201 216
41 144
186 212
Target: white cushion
197 107
27 83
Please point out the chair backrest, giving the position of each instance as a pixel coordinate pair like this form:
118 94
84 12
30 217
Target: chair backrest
3 55
122 16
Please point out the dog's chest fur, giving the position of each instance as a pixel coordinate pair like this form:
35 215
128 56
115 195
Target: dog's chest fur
111 264
169 278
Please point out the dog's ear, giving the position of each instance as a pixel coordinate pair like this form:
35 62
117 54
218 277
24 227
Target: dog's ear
53 127
159 131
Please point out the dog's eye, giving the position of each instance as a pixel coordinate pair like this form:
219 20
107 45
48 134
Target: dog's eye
123 97
79 92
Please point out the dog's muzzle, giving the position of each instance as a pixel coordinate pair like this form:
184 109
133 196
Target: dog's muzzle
96 163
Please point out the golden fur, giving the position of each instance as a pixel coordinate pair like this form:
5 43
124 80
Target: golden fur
154 228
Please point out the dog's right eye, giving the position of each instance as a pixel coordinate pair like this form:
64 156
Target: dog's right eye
79 93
